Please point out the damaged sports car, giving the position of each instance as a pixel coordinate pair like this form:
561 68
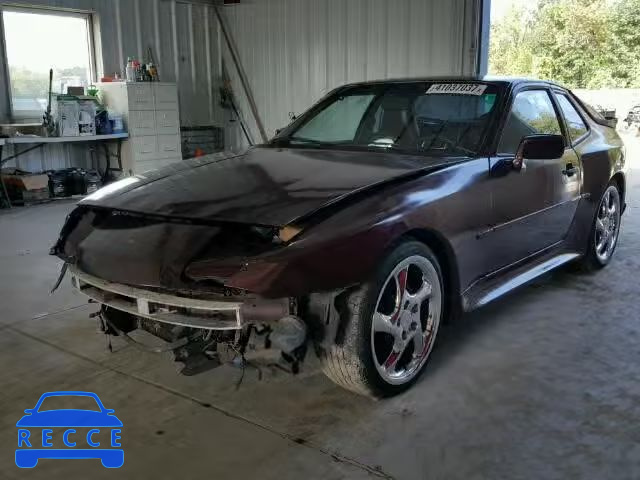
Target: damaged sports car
385 210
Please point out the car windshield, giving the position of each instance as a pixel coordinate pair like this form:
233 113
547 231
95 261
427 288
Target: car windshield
66 402
426 117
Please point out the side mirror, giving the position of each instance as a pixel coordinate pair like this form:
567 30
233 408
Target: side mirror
29 411
109 411
539 147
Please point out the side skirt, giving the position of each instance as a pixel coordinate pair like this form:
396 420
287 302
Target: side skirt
488 289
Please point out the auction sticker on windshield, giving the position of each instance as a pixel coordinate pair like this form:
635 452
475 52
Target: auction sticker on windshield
457 88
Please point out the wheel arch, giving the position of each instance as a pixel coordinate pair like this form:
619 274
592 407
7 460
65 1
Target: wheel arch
618 177
448 263
323 309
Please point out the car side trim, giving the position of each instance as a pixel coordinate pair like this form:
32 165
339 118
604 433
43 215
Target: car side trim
494 228
502 285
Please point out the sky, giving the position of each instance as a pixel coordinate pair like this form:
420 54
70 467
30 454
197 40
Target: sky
500 7
40 42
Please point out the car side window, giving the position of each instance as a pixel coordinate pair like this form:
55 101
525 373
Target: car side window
576 126
531 113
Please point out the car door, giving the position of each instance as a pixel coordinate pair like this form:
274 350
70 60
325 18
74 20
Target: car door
523 199
567 174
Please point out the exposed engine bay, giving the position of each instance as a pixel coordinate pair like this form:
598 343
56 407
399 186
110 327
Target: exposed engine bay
200 332
203 323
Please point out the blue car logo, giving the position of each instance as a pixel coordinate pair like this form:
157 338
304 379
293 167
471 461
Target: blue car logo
42 429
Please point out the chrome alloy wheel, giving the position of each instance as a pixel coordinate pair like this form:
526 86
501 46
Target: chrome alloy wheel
406 319
607 224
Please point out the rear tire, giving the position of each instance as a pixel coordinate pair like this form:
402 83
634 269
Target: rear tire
605 231
390 324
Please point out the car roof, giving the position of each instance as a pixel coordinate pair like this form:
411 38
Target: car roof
497 80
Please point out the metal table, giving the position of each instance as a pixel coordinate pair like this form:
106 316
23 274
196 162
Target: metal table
38 142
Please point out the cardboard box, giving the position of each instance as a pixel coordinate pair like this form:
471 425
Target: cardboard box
35 195
27 182
25 186
75 90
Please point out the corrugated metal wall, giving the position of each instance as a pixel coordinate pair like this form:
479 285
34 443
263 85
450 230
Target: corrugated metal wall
295 51
185 40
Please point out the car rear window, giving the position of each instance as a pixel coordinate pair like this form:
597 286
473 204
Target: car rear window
575 124
595 116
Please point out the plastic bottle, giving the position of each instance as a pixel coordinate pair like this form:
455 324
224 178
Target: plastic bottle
137 70
130 71
153 72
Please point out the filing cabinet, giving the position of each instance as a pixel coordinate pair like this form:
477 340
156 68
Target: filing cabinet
152 117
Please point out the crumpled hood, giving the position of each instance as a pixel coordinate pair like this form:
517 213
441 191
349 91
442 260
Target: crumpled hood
264 186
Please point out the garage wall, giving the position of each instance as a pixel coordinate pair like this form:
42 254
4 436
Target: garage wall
295 51
185 40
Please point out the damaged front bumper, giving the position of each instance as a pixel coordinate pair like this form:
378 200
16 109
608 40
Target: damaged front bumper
213 313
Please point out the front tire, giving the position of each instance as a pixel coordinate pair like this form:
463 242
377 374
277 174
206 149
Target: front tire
390 324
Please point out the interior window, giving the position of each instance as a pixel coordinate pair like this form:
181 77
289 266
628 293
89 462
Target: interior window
575 124
37 40
531 113
338 122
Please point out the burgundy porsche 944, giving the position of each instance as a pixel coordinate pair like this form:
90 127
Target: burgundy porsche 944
384 210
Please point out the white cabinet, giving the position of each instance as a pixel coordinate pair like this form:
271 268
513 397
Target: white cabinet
140 96
166 96
167 121
168 146
142 122
145 148
151 115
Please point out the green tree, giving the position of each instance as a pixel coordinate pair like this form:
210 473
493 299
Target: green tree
580 43
569 39
623 52
27 84
511 43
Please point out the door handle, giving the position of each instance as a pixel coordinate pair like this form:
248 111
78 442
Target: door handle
570 170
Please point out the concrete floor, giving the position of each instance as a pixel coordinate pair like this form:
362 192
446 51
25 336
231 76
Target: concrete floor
544 384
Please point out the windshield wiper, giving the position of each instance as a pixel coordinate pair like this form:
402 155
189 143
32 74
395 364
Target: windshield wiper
308 140
461 137
437 136
404 129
